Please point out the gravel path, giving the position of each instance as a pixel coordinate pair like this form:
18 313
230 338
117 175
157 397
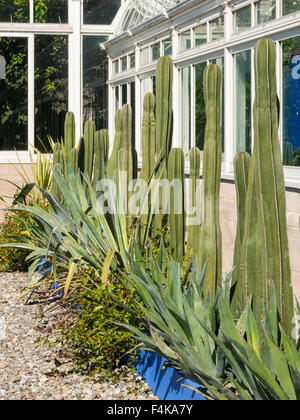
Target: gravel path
31 370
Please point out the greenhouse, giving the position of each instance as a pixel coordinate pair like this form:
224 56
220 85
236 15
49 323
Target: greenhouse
204 92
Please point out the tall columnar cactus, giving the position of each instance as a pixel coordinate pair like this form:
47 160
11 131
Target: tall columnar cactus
148 138
164 123
101 155
128 161
148 146
194 217
111 165
164 111
89 148
70 136
272 263
210 248
177 197
242 163
74 160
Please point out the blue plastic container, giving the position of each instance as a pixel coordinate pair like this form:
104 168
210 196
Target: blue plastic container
166 384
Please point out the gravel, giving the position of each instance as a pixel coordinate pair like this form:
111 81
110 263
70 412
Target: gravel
31 369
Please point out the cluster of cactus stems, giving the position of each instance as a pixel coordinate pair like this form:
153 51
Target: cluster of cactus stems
261 249
262 252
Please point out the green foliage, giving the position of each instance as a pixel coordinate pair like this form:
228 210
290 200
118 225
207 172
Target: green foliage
96 342
11 230
264 257
210 245
264 362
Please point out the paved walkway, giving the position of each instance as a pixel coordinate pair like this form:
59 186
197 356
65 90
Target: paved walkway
33 370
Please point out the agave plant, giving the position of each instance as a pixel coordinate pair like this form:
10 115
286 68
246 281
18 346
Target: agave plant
177 316
264 362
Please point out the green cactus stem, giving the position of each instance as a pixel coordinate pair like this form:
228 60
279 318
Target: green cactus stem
177 197
194 228
210 248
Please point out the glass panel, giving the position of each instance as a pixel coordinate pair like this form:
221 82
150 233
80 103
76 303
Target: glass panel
217 29
124 94
116 67
186 109
200 105
200 35
117 98
220 63
155 52
124 63
243 102
14 11
102 12
13 93
51 88
145 56
167 48
242 19
51 11
132 61
265 11
291 101
290 6
185 41
95 71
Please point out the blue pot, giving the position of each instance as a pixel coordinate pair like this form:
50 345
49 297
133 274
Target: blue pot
166 384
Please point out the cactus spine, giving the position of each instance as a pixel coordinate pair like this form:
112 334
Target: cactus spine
272 263
177 210
194 227
210 248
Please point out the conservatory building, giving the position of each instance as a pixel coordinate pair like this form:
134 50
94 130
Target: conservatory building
93 56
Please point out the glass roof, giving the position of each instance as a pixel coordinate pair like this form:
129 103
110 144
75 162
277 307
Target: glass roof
136 12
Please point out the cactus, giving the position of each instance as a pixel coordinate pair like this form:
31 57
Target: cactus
69 139
101 155
74 160
177 210
164 123
89 147
111 165
80 149
128 157
148 144
242 163
265 253
148 138
210 248
194 229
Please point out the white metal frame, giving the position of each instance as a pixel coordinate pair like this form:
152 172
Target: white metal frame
75 30
283 27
